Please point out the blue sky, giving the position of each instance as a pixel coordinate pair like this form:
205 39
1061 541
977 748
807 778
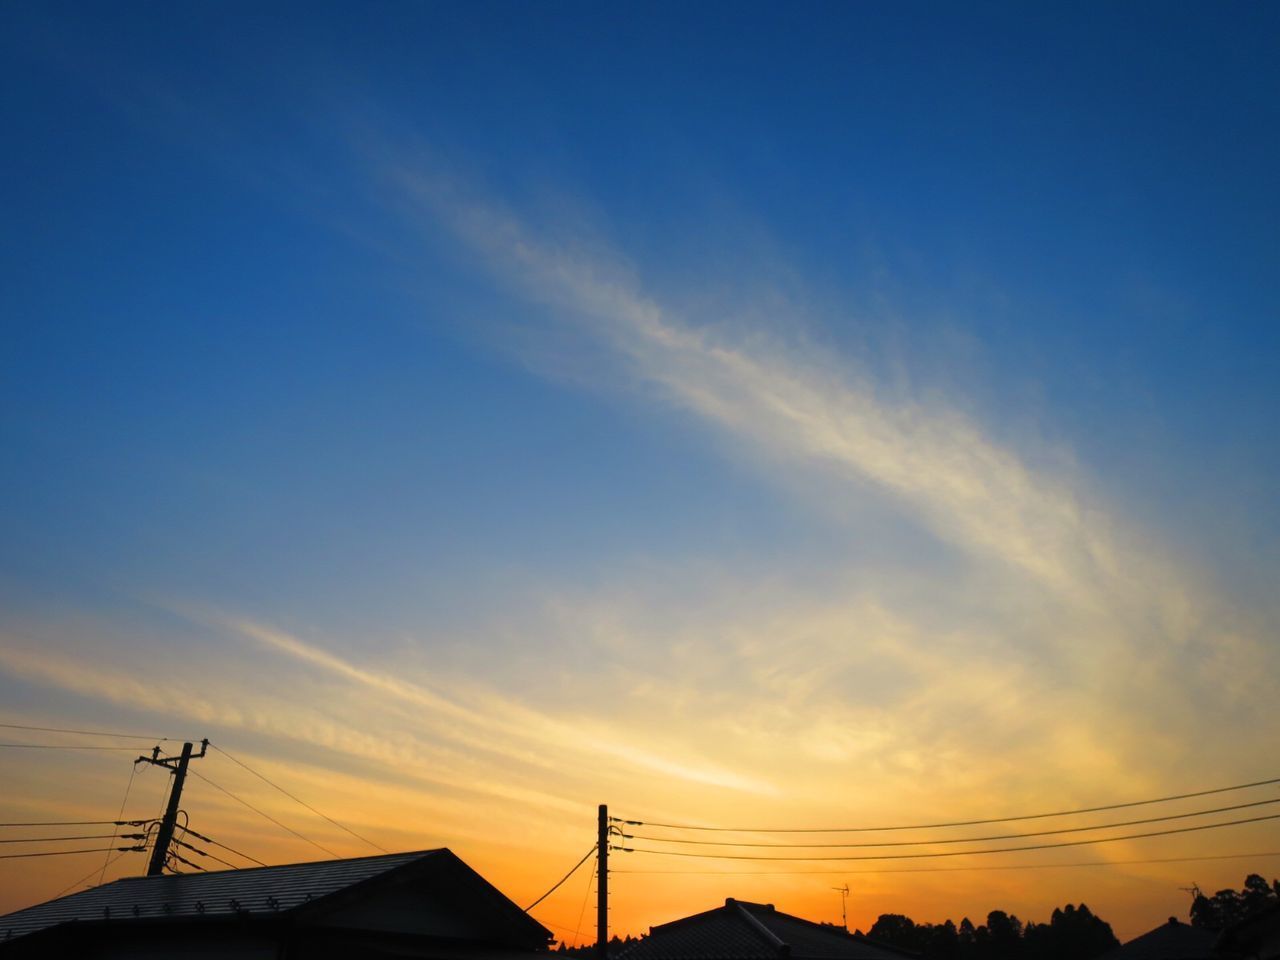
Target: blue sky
595 361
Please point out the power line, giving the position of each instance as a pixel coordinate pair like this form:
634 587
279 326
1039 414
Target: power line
264 779
64 853
164 794
72 886
267 815
86 733
201 836
927 843
76 823
955 823
577 933
959 853
62 746
181 859
562 879
558 926
204 853
1003 866
93 836
133 772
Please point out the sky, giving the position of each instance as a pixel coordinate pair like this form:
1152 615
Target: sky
740 414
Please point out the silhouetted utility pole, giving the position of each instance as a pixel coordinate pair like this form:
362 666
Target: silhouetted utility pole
178 767
602 884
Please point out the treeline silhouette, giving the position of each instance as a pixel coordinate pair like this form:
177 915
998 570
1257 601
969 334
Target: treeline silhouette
588 950
1231 906
1072 933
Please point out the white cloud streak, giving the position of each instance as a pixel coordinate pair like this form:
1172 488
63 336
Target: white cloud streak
1103 609
496 724
803 410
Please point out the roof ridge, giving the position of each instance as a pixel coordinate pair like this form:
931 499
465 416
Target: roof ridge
783 948
817 925
276 866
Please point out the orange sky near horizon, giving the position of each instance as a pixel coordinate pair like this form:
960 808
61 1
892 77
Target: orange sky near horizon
523 847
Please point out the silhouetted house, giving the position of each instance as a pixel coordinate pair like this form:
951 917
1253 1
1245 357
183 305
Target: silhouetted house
754 931
427 904
1169 941
1256 937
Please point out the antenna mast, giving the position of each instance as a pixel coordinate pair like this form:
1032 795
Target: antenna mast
844 905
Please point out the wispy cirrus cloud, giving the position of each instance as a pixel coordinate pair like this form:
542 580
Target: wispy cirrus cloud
1074 593
497 724
806 409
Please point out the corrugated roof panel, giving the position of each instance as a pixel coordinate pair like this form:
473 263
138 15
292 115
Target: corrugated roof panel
222 892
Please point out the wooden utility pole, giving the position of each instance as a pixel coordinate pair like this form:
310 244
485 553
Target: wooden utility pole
602 884
164 836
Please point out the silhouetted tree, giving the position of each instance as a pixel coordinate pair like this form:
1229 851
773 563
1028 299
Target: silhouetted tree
895 930
1072 933
1231 906
1004 935
941 942
966 939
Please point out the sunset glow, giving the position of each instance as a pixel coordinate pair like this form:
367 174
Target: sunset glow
751 416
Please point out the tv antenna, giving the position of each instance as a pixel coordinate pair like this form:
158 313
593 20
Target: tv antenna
844 905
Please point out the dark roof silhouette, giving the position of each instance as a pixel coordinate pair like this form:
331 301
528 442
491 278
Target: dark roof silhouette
427 895
1169 941
741 930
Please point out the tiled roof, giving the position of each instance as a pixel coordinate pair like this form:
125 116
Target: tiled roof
752 931
1169 941
256 892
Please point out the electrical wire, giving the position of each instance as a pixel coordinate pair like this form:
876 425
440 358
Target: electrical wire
64 890
75 823
189 863
182 859
593 849
324 816
164 792
1002 866
203 853
92 836
133 772
63 853
956 823
170 853
577 933
201 836
62 746
85 733
558 926
961 853
927 843
266 815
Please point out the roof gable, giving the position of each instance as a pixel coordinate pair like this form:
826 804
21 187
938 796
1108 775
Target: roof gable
741 930
318 893
1169 941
